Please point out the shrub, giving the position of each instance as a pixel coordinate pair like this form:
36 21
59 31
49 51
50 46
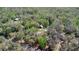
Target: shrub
2 39
76 23
43 22
31 30
29 23
19 36
42 41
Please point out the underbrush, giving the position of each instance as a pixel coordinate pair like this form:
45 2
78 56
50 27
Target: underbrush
39 29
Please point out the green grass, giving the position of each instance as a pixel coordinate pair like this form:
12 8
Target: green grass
42 41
